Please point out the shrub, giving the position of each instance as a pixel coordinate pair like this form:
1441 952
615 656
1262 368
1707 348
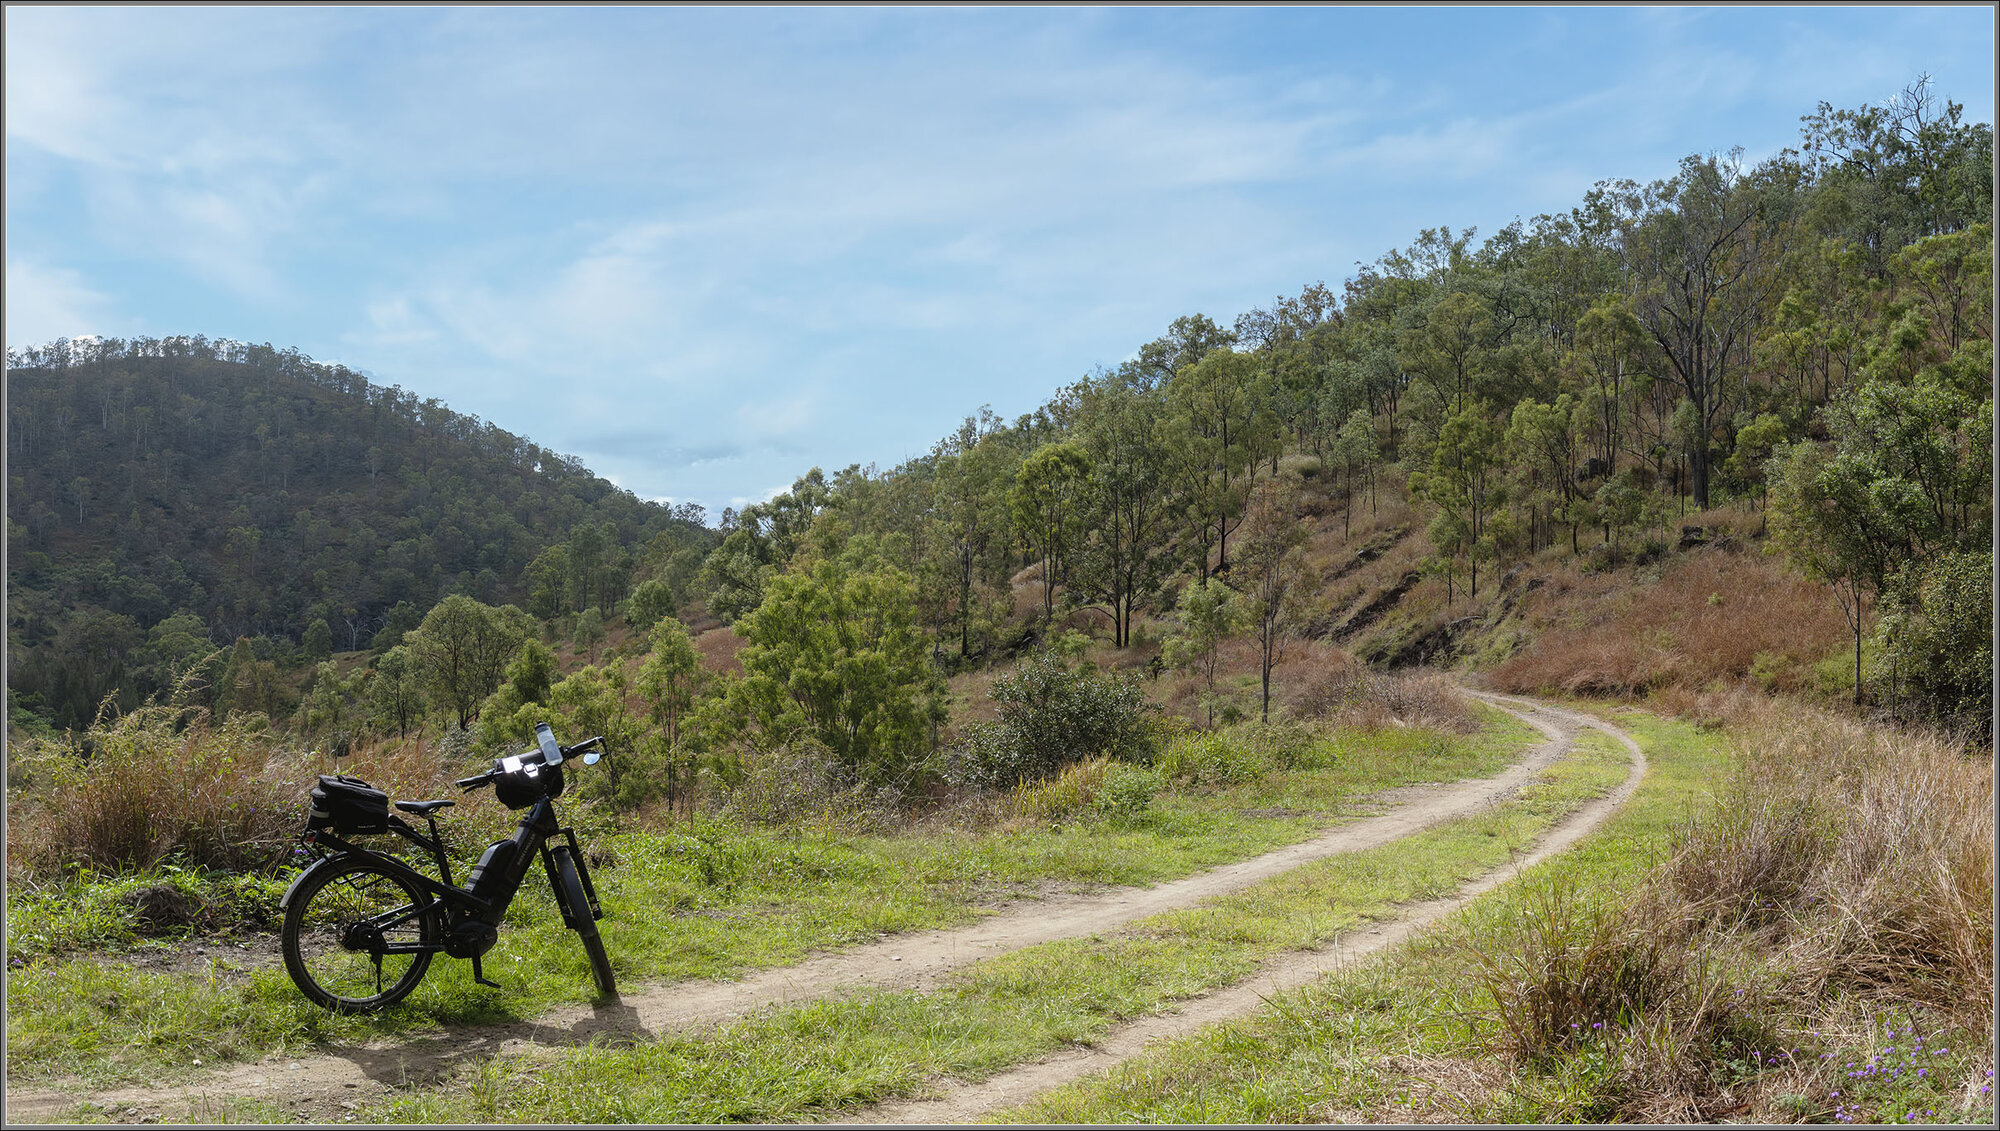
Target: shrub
803 783
1127 792
1936 629
1050 716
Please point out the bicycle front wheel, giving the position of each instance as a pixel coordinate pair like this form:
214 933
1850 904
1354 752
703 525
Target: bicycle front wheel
576 908
358 936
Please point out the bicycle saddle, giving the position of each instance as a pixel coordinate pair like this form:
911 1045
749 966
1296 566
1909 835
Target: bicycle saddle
423 808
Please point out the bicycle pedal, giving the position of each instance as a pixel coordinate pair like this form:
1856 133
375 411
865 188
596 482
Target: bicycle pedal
479 975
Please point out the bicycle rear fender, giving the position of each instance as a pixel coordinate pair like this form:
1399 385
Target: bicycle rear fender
322 862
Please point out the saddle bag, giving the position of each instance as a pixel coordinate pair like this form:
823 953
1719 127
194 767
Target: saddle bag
348 806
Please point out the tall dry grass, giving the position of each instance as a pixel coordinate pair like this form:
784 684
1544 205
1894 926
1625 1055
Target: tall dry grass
1862 854
159 782
1323 682
1713 617
1841 863
169 783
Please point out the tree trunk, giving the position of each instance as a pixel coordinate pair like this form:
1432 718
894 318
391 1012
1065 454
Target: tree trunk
1857 653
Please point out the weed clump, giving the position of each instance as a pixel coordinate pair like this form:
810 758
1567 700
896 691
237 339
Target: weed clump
803 783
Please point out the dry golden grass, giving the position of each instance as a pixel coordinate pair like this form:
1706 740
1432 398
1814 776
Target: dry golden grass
156 783
1844 869
164 783
1864 854
1708 620
718 648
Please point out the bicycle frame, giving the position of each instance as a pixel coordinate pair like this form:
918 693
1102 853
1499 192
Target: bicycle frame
538 826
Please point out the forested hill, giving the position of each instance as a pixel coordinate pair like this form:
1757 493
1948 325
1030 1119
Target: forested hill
180 493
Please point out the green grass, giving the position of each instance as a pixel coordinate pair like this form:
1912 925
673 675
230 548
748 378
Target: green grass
1411 1037
1356 1046
836 1054
711 899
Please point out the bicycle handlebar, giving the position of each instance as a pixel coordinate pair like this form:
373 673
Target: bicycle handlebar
530 758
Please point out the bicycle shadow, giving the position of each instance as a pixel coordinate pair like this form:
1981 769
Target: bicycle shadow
424 1061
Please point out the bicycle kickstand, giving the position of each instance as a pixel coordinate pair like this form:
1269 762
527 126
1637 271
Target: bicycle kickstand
479 975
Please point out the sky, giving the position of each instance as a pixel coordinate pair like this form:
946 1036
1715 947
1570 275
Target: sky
706 249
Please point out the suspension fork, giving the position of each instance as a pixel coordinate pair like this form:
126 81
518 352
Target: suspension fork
582 873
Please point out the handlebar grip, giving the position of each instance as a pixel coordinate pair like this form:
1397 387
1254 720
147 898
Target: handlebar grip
475 781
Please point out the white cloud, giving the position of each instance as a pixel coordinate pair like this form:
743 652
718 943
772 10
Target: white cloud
46 303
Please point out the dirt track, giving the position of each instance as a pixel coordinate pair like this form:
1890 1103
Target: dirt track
326 1086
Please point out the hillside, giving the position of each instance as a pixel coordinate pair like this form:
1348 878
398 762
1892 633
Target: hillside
234 491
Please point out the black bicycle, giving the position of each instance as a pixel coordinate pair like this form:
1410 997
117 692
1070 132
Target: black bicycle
361 927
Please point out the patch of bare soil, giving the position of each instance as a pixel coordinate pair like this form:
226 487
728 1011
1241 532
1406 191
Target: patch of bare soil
327 1083
233 959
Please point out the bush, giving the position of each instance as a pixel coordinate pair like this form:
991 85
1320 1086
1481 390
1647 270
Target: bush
803 783
1051 716
1936 627
1127 791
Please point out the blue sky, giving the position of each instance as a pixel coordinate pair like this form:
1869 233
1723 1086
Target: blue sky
706 249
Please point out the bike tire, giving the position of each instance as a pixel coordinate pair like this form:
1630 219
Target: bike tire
317 940
576 907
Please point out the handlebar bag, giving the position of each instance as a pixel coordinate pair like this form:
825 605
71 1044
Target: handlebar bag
348 806
525 786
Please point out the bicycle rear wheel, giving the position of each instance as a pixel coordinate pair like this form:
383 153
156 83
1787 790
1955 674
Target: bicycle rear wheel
576 908
358 936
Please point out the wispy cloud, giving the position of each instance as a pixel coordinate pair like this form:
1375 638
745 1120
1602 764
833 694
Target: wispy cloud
45 303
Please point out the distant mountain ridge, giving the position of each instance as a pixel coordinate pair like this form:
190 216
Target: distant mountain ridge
259 491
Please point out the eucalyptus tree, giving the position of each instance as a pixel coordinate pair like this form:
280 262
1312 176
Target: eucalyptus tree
1223 425
1127 547
1047 502
1892 174
1272 564
1541 442
462 649
1704 246
836 657
1462 482
973 470
1606 350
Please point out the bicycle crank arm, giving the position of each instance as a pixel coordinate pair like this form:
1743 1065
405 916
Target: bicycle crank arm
479 975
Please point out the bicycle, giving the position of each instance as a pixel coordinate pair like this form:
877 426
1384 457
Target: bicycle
361 926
